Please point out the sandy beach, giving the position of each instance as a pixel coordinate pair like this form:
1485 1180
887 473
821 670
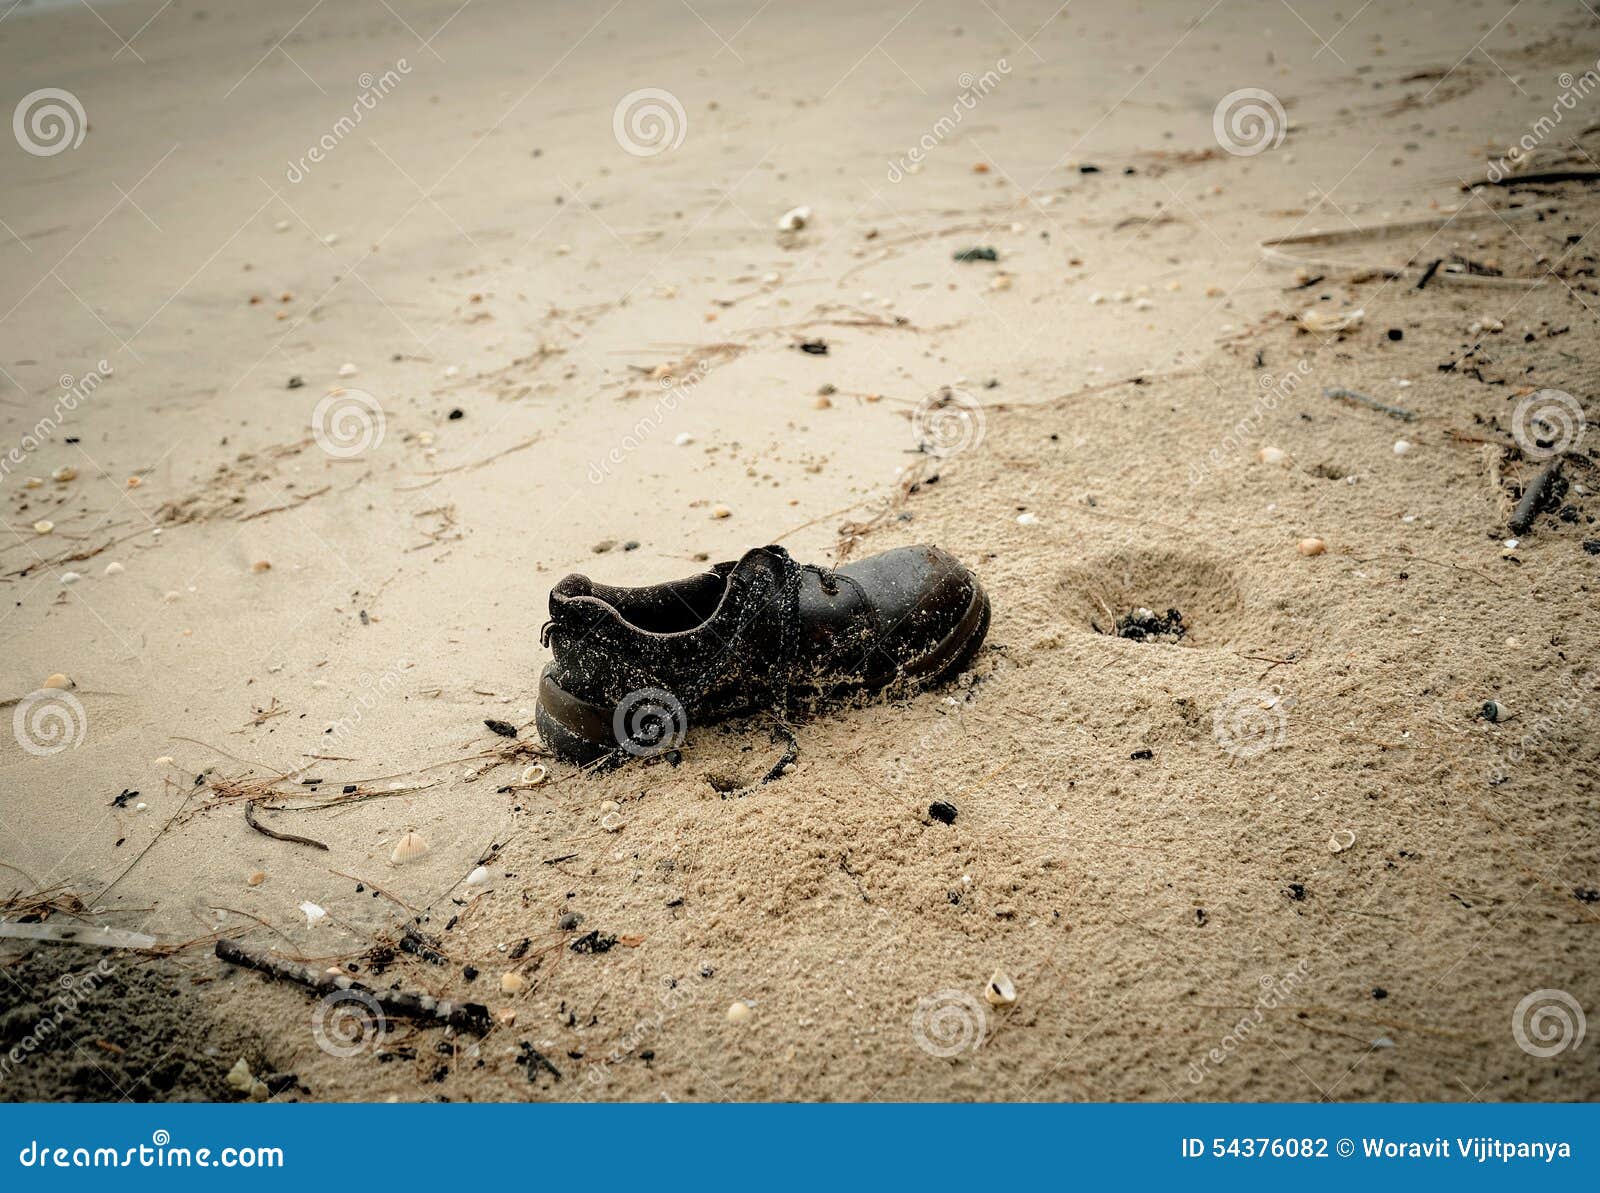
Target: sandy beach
331 339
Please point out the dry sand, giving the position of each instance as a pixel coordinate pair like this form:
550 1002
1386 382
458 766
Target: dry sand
1285 857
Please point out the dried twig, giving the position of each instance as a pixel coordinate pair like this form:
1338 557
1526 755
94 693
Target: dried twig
250 819
463 1016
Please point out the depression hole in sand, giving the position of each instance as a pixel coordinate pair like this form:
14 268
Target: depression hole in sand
1168 597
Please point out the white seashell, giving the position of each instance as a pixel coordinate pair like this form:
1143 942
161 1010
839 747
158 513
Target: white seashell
1001 990
164 760
43 526
1341 840
535 774
313 913
1494 711
512 983
478 877
347 370
1402 446
1026 519
59 680
408 849
612 822
739 1012
1273 455
609 805
794 219
1317 320
239 1077
64 474
70 577
683 439
114 569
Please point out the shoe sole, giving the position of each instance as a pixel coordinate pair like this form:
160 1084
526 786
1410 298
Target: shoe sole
580 731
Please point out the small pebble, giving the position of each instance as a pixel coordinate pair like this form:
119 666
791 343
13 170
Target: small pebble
70 577
256 878
64 474
261 565
683 439
512 983
1026 519
347 370
739 1012
721 511
1273 455
1401 446
1312 546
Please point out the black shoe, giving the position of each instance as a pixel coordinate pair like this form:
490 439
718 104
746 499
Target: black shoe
635 667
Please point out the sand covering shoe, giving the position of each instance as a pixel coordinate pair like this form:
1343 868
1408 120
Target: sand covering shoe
635 667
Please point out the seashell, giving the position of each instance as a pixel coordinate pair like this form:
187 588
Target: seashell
512 983
1000 281
347 370
683 439
535 774
721 511
239 1077
478 877
408 849
114 569
64 474
261 565
609 805
1312 546
739 1012
1402 446
794 219
71 577
1027 519
43 526
506 1017
58 680
1001 990
135 481
313 913
33 482
1494 711
164 760
255 879
1341 840
1313 319
1273 455
612 822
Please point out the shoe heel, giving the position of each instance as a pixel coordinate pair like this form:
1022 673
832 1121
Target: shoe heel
576 730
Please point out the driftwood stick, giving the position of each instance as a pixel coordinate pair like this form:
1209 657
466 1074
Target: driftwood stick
250 819
1528 508
463 1016
1350 395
